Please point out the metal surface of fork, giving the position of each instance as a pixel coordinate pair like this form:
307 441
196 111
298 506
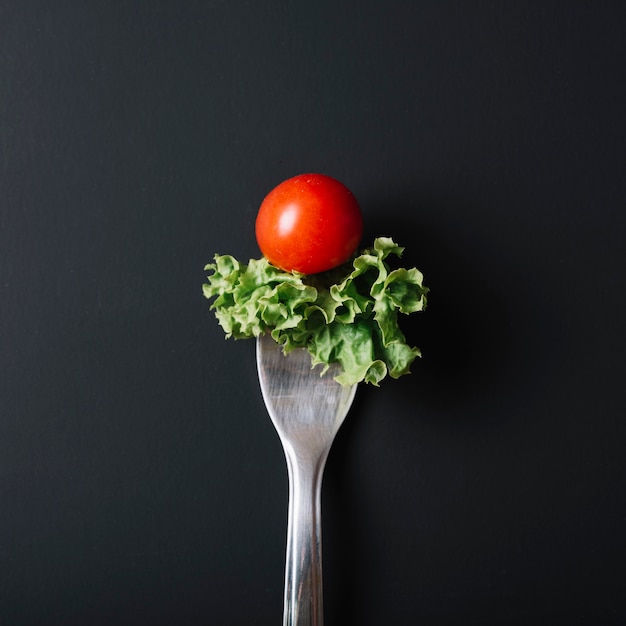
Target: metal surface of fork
307 411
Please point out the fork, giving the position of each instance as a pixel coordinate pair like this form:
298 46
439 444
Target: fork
307 410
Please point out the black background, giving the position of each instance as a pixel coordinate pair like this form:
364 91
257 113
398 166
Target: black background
141 481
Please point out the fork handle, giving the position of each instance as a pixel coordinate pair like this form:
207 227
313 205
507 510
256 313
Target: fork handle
303 602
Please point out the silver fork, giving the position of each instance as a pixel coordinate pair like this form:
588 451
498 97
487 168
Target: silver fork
307 411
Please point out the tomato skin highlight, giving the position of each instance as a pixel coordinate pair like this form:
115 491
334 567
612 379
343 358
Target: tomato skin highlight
310 223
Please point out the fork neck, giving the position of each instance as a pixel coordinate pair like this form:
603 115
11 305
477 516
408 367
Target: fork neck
303 602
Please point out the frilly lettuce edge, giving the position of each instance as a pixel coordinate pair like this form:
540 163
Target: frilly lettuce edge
353 322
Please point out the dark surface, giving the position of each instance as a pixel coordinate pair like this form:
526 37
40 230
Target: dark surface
141 482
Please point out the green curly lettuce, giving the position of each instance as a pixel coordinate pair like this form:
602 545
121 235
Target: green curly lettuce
352 321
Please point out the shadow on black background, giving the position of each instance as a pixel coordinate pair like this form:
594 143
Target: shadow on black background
464 332
467 343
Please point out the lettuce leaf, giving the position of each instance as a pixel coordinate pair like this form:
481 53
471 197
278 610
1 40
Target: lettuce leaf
347 316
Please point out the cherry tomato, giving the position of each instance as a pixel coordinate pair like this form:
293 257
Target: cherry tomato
308 224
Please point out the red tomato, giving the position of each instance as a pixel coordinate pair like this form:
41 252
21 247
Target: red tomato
309 223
